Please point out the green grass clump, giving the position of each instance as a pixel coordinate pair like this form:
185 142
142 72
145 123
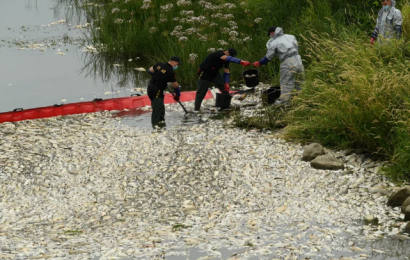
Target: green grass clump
356 96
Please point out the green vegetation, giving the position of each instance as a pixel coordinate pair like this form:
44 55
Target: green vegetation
354 96
157 29
356 102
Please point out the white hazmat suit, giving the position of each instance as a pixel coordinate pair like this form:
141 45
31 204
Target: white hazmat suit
285 46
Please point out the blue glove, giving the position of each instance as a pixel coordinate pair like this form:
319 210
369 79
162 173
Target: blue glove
375 33
398 31
226 77
264 61
177 91
149 72
233 59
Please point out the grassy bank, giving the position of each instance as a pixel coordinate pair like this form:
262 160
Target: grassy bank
356 96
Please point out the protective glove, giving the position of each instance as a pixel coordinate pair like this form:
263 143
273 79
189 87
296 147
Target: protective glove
256 64
245 63
177 93
372 40
226 87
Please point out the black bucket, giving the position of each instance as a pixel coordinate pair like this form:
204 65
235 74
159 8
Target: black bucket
251 78
273 94
223 100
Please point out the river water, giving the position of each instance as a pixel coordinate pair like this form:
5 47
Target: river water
44 64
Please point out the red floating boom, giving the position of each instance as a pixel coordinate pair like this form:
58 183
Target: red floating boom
93 106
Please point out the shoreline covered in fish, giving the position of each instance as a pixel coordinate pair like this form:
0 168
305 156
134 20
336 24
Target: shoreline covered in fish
86 186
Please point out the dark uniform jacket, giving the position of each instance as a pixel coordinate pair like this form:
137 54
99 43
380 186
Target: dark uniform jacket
163 74
210 67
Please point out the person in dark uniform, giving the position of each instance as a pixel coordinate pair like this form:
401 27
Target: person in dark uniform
209 72
162 74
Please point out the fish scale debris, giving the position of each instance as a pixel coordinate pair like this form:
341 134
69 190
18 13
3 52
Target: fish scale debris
88 185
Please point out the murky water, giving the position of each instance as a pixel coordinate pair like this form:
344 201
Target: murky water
59 71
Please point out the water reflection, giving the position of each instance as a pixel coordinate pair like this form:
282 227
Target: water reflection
124 72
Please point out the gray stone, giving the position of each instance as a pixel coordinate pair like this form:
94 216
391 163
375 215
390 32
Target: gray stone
398 197
405 205
312 151
327 162
380 190
407 214
407 228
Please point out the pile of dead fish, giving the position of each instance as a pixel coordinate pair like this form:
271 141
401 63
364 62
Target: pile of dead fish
86 186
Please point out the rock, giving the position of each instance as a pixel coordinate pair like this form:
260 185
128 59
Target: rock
312 151
405 205
407 228
407 214
397 198
327 162
379 190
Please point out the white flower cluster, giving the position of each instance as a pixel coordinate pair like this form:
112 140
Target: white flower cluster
183 39
222 42
153 29
167 7
175 19
163 20
192 57
225 30
233 33
213 25
243 4
232 23
191 31
202 38
229 6
187 13
211 50
118 21
217 15
247 39
183 2
115 1
146 4
199 19
126 1
258 20
227 17
210 6
115 10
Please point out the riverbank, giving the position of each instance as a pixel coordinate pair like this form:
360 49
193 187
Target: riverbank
89 186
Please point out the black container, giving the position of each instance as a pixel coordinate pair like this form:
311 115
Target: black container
223 100
273 94
251 82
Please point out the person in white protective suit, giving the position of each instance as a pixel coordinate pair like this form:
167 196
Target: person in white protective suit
285 46
389 22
